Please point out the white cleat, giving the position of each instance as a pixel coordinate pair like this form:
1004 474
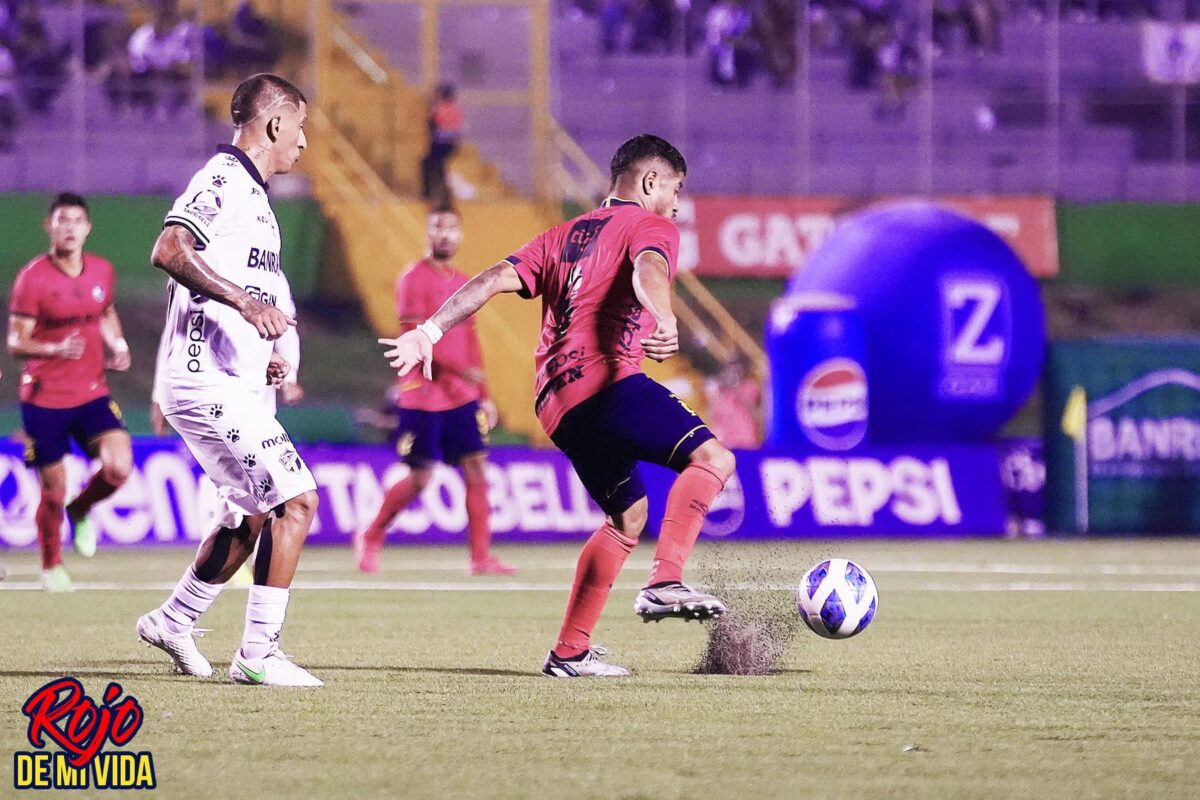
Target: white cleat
590 665
181 647
273 669
679 601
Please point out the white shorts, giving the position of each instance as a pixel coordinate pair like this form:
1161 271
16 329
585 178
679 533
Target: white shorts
245 452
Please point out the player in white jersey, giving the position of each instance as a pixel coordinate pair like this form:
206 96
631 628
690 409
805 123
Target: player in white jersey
220 245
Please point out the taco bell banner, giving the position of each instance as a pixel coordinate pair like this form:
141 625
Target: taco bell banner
536 497
771 236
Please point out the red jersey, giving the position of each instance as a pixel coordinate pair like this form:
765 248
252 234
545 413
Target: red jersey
420 291
592 322
61 305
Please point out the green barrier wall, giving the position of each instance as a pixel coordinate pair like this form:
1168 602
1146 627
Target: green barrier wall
1129 460
124 230
1129 244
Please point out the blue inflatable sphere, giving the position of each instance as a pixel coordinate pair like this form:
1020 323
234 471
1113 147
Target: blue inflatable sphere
954 324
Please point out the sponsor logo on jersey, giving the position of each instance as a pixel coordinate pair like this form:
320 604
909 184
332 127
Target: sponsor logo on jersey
206 205
264 259
831 404
262 296
275 441
197 340
62 713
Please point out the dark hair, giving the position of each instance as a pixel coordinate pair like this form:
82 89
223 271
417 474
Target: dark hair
444 208
446 91
70 199
643 147
258 93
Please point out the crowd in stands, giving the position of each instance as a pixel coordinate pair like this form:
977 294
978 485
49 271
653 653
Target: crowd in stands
148 68
880 39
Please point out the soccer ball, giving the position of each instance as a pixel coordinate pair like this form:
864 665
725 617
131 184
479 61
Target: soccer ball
837 599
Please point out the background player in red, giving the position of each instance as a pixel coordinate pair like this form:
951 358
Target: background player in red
61 320
605 282
445 417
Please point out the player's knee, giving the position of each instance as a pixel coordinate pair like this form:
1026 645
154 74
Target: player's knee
717 456
116 473
302 505
632 521
421 476
54 498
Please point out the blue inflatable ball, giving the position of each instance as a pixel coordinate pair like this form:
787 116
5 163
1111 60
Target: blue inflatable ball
954 323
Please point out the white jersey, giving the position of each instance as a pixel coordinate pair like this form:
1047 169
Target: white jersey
286 346
210 348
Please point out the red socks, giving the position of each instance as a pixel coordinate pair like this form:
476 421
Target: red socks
479 530
98 489
394 502
49 518
599 564
687 505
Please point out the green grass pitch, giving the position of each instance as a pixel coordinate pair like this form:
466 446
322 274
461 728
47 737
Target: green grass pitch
993 670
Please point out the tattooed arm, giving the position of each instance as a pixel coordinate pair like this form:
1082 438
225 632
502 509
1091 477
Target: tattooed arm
416 346
175 254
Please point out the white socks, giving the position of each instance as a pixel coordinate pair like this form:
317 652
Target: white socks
191 598
265 611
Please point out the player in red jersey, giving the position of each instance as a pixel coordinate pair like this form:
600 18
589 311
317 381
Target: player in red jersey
605 283
446 418
61 320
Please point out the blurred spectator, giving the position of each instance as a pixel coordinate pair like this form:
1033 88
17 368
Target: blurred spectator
40 64
445 127
653 22
160 61
899 67
614 14
775 26
248 43
730 47
106 59
8 97
735 406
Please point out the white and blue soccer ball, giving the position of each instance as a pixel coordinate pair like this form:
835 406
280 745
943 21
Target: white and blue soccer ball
837 599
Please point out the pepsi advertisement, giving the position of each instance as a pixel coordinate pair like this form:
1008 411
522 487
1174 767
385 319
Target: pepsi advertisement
536 497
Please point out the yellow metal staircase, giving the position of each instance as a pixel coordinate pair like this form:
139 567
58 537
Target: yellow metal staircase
368 135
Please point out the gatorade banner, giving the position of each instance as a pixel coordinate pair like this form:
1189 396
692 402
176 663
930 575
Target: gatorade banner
536 497
769 237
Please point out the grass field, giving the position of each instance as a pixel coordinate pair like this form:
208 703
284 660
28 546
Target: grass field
993 670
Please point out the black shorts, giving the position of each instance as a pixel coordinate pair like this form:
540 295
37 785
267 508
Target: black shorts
426 437
634 419
50 430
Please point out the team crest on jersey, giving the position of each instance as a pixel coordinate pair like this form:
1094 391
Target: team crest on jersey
206 204
832 404
98 294
290 460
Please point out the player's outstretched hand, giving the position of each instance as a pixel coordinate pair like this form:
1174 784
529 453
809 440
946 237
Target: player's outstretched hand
408 350
277 369
72 347
269 321
664 342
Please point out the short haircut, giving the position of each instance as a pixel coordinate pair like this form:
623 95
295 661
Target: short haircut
641 148
69 200
259 93
444 208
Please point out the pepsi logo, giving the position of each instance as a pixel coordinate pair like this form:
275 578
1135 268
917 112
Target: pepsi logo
832 404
